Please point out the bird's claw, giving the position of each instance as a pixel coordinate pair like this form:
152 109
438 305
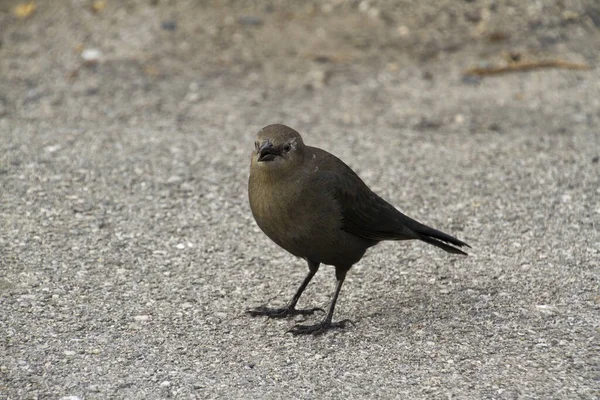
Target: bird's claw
319 328
282 312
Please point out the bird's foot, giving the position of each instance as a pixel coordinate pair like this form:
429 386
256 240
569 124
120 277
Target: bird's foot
282 312
317 329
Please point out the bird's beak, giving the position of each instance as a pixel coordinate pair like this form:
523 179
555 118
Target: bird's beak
267 152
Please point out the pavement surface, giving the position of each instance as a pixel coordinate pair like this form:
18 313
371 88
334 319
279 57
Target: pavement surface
128 253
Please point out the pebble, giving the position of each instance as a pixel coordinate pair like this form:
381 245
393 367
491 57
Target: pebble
471 80
250 20
546 309
52 148
403 30
91 56
174 179
169 25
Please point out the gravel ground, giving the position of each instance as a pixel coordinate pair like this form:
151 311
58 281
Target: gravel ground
128 253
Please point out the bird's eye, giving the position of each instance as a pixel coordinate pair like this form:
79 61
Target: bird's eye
287 148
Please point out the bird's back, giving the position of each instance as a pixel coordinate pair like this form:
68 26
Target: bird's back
364 213
368 216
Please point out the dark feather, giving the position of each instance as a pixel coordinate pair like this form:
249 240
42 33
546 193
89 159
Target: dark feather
367 215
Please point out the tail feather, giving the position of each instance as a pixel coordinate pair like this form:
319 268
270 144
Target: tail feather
437 238
434 233
442 245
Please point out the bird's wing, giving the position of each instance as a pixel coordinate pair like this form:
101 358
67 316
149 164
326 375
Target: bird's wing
364 213
367 215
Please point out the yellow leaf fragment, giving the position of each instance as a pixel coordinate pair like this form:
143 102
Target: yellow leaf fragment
24 10
98 6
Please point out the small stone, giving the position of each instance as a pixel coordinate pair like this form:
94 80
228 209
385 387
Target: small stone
180 246
91 56
169 25
165 384
299 318
495 127
174 179
94 388
374 13
427 75
569 15
52 148
327 8
250 20
403 30
322 59
427 124
69 353
141 318
192 97
546 309
471 80
186 187
317 78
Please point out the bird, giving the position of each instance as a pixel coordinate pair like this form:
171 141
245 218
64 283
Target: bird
313 205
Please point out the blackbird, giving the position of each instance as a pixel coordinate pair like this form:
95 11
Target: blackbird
314 206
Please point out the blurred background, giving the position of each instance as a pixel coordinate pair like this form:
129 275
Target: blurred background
101 50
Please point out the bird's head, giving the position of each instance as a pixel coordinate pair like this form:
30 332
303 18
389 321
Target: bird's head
278 149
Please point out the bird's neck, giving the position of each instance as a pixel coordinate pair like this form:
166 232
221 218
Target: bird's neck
265 179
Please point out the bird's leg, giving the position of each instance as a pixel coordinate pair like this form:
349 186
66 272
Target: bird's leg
290 309
326 323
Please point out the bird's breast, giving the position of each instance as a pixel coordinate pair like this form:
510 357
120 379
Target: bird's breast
294 216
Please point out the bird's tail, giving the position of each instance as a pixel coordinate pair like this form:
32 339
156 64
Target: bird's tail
439 239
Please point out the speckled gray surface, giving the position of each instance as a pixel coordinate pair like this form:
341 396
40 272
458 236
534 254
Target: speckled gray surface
128 253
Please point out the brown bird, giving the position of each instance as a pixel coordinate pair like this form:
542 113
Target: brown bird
314 206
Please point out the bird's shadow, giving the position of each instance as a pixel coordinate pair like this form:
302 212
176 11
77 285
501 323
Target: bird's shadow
430 310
